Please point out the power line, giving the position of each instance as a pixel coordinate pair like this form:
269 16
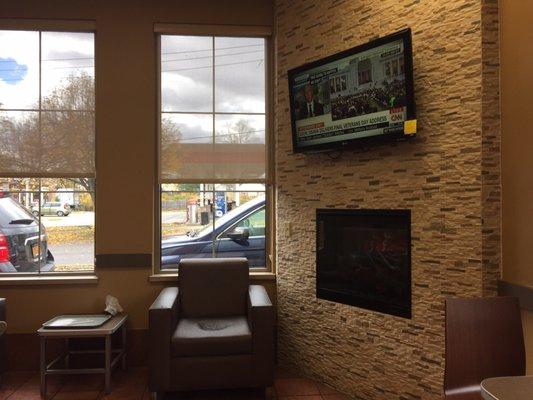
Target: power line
166 53
211 49
52 59
13 69
221 134
260 60
68 59
216 56
72 66
163 53
177 60
21 79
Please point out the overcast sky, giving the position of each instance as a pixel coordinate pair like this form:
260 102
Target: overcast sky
63 54
187 84
186 78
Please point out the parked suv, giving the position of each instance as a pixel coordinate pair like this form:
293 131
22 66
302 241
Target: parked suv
52 208
19 240
238 233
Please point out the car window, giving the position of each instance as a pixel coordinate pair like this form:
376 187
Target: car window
10 210
231 215
254 222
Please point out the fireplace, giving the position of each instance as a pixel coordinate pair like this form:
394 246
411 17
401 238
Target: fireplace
363 258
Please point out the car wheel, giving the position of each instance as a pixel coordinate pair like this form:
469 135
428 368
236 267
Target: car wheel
60 213
35 213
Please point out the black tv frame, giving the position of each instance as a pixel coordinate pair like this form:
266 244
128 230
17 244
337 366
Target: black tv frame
404 35
382 307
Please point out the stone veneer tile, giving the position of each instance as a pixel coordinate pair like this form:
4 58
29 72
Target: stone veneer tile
449 176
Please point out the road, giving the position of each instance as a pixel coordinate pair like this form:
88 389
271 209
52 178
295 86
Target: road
76 218
72 254
86 218
168 217
83 253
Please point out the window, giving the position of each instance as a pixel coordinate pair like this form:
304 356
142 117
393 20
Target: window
364 77
364 71
394 68
213 149
47 139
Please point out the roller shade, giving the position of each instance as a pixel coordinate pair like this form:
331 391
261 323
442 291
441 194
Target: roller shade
49 144
213 114
213 162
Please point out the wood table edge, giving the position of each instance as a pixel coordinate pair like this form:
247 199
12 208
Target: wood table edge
86 332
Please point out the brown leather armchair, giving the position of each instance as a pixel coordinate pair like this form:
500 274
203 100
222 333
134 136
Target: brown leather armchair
215 331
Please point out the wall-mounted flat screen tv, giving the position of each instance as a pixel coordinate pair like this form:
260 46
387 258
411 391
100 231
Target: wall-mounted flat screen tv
358 96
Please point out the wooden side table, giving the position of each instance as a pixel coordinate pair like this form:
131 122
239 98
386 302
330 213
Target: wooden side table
112 356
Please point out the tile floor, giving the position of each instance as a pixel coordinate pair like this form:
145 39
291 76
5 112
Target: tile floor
133 385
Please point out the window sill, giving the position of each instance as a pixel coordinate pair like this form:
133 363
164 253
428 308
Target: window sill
254 276
48 280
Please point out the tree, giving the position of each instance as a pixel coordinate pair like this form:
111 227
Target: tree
170 146
238 133
63 140
58 141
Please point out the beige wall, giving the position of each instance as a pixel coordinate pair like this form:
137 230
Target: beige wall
126 134
517 149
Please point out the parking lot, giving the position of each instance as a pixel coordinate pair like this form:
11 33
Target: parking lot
71 240
76 218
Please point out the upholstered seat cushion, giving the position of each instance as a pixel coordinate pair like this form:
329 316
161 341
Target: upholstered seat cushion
212 337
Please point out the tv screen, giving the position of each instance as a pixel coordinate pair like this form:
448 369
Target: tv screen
364 259
360 95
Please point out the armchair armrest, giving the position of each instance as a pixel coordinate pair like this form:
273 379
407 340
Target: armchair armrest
2 309
162 319
261 316
3 318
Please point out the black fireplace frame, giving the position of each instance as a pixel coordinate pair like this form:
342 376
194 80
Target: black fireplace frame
373 305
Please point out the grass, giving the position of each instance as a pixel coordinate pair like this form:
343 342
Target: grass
70 234
73 268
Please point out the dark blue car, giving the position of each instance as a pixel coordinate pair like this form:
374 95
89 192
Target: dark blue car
238 233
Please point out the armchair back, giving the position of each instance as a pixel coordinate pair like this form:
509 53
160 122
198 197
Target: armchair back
213 287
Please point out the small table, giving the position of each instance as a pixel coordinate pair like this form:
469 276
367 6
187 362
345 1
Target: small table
105 331
507 388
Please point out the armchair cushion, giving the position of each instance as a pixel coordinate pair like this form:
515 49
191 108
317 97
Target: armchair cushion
211 337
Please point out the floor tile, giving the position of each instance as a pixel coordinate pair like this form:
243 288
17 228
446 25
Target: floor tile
304 397
133 385
296 387
336 396
284 373
13 380
77 395
32 394
325 389
130 392
5 393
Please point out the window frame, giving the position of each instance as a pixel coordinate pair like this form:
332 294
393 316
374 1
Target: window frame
64 26
265 33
